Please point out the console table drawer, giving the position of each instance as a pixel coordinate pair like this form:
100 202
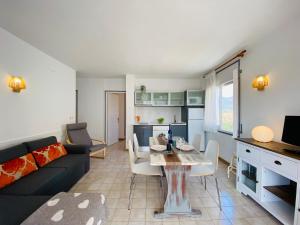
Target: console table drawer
248 152
280 164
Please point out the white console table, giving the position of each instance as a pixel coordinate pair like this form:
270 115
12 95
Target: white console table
271 176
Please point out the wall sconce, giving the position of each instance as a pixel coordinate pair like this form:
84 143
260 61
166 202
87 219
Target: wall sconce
17 84
260 82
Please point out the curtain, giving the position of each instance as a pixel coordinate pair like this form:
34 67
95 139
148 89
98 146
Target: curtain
235 103
211 115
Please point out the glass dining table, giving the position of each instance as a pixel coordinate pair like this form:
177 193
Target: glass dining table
177 165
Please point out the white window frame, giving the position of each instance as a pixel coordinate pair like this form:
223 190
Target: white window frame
220 108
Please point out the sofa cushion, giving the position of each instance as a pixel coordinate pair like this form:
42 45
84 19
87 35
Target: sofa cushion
15 209
45 181
76 166
69 162
34 145
45 155
14 169
12 152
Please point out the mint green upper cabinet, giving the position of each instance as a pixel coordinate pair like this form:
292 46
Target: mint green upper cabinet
190 98
143 99
195 97
176 98
160 98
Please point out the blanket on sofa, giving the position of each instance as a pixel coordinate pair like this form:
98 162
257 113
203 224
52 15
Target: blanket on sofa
69 209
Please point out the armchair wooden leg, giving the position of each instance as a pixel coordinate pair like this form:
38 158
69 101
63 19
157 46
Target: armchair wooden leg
98 154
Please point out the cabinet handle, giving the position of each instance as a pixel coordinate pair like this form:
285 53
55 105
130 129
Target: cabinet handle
248 151
277 162
299 210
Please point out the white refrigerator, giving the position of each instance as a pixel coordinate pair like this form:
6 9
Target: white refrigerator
195 121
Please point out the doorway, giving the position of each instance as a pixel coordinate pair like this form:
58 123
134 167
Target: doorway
115 116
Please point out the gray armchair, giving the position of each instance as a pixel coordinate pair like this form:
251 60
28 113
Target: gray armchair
77 134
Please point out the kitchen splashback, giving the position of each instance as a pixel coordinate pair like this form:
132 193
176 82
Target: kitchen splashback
150 114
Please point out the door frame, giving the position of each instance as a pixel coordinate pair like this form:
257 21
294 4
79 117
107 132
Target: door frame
106 102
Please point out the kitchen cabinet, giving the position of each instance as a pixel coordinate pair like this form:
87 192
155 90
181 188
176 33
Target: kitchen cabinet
143 132
143 99
160 98
194 97
176 99
249 170
179 130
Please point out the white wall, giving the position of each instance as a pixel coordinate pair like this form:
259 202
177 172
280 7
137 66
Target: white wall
151 114
130 112
169 84
91 101
277 54
49 100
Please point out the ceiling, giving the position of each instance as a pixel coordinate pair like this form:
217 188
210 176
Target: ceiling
175 38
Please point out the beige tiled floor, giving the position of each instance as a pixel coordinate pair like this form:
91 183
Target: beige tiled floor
111 177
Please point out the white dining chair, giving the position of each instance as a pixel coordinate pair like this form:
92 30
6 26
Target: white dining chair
212 154
197 141
140 152
153 141
142 168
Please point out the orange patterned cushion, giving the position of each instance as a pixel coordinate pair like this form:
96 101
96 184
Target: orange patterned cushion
45 155
14 169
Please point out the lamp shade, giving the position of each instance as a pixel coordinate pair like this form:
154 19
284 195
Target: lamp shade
260 82
17 83
262 134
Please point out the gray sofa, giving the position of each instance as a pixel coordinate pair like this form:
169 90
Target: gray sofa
20 199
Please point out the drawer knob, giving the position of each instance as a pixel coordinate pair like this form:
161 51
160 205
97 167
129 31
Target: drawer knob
248 151
277 162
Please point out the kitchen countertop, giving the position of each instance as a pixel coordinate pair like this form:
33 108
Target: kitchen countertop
157 124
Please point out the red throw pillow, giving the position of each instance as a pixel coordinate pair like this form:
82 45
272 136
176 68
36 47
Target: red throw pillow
14 169
45 155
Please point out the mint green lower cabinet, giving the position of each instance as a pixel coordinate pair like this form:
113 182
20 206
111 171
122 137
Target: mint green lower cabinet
143 132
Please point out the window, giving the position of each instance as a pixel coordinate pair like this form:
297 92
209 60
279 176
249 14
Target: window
226 107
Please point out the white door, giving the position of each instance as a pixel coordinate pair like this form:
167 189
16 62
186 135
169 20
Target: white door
112 118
